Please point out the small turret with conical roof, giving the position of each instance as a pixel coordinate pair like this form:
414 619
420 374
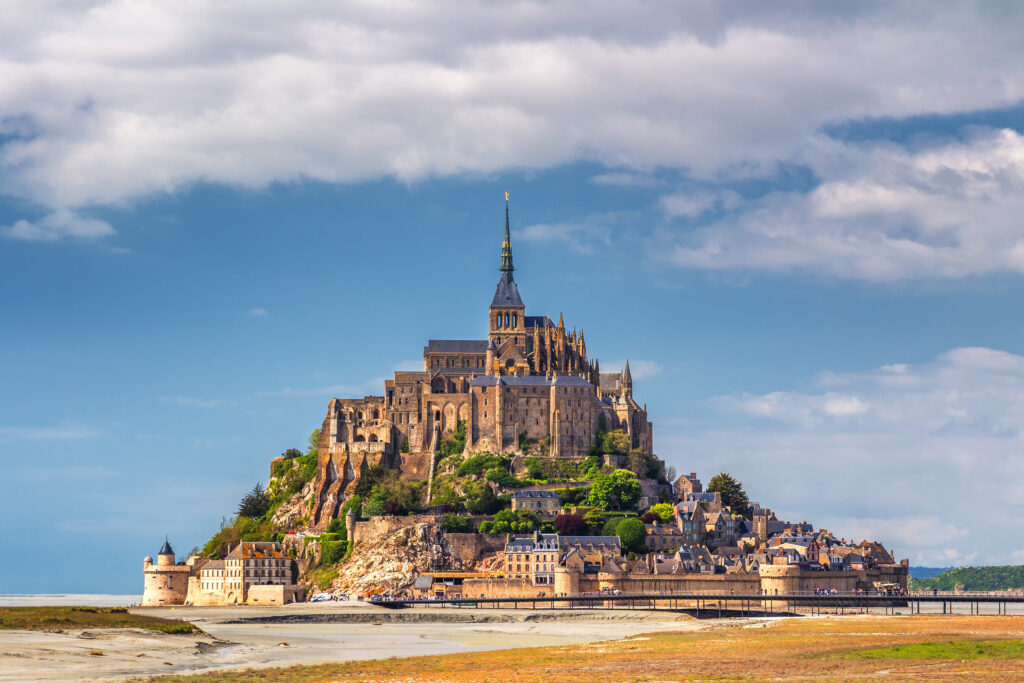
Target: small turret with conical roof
627 379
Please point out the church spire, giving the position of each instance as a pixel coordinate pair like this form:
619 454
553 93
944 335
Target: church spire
506 246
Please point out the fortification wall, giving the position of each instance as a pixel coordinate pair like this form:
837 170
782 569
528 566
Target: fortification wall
380 527
503 588
680 583
470 548
780 579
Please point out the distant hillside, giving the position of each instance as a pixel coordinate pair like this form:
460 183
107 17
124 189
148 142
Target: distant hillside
973 579
928 572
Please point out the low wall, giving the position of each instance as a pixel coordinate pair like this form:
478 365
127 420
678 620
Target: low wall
781 579
503 588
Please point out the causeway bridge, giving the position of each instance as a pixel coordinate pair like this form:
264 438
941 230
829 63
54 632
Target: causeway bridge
731 605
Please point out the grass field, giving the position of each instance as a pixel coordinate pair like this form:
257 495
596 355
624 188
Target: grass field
63 618
920 648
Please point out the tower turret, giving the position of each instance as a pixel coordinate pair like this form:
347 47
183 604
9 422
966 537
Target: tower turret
627 379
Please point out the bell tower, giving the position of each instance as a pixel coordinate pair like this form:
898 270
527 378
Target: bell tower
505 315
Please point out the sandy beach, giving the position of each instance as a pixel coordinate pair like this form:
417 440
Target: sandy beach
253 637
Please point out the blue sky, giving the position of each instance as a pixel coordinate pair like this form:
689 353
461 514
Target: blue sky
801 226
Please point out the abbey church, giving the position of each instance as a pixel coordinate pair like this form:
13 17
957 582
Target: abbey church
530 381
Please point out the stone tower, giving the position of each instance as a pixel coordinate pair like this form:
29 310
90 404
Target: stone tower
506 317
164 583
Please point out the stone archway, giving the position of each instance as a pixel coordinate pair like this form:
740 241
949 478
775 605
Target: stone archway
449 418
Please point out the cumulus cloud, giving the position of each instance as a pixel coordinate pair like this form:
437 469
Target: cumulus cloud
899 450
57 225
106 101
882 212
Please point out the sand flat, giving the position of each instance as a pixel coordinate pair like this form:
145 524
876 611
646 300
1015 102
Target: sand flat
235 642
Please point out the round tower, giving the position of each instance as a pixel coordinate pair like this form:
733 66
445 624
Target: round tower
350 525
164 583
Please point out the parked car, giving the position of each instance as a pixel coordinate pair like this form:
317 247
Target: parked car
320 597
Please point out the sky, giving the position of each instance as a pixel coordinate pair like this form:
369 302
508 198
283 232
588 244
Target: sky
800 222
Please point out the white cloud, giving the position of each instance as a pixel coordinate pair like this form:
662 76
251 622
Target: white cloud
57 225
638 369
48 433
626 179
894 453
107 101
258 313
881 212
580 237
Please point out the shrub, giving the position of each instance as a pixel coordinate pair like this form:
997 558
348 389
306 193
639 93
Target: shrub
486 504
331 552
455 524
336 526
503 477
454 444
478 463
664 511
570 525
330 537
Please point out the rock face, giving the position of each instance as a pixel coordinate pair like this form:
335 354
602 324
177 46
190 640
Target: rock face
389 565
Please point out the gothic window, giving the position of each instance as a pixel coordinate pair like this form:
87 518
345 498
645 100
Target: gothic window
506 320
515 320
497 320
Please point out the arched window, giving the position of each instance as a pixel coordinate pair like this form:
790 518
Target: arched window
497 320
515 320
506 320
376 414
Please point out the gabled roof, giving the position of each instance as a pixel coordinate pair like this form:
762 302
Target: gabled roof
455 346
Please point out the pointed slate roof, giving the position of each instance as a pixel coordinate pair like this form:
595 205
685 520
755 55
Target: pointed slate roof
507 292
166 549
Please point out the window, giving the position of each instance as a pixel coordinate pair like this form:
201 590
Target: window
506 320
515 320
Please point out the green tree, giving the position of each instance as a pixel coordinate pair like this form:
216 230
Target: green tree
632 535
616 441
454 444
485 504
255 503
731 491
619 490
314 440
665 512
291 453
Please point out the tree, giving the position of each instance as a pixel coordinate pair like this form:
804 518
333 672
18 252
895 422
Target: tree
731 491
255 503
632 535
671 475
291 453
616 441
619 490
570 525
664 511
314 440
486 504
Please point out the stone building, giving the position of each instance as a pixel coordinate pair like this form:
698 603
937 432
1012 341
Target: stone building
540 502
252 573
166 582
529 378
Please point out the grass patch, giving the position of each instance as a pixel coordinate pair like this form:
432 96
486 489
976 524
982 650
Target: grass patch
954 650
62 618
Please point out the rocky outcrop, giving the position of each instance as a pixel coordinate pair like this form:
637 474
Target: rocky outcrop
390 564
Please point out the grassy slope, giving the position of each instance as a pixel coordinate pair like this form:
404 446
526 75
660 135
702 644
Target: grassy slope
943 648
974 579
62 618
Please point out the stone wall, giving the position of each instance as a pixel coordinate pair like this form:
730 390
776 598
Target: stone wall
165 585
503 588
780 579
470 548
414 465
380 527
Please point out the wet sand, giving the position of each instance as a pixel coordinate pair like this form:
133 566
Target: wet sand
234 640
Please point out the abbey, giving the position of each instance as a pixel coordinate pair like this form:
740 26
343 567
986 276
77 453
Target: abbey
529 382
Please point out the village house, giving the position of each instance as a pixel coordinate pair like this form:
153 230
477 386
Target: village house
544 503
